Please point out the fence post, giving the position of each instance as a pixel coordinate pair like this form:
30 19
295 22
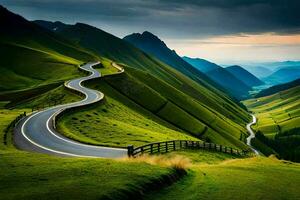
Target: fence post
158 147
174 148
225 149
209 145
230 150
130 150
221 148
180 144
151 148
166 146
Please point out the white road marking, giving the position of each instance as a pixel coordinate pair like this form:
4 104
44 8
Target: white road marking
99 96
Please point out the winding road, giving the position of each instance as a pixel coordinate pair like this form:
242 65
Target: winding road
36 132
252 135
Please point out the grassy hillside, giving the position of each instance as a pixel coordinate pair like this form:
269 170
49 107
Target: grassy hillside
277 88
160 88
134 99
33 56
154 46
27 175
244 76
279 121
215 177
121 51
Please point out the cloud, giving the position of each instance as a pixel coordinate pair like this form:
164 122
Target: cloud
171 18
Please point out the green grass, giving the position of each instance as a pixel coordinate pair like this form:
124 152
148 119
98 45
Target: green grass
211 177
278 122
118 122
154 70
26 175
32 56
6 117
130 106
33 67
107 69
277 113
34 176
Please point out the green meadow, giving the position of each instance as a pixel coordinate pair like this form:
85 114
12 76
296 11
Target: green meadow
277 113
278 123
217 176
149 102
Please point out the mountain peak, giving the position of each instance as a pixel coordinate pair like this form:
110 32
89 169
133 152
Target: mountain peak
146 36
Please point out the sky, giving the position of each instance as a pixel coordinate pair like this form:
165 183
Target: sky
223 31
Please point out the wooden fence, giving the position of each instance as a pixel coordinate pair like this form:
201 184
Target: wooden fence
167 146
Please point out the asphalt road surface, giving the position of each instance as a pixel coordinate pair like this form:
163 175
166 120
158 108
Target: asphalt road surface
252 135
36 132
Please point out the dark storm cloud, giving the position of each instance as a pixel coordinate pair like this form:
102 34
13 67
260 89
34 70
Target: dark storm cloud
189 18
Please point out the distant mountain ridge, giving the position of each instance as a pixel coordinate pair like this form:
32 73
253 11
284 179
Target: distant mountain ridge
259 72
244 76
201 64
278 88
284 75
153 45
220 75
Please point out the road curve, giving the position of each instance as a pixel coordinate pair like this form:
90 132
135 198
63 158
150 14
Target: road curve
36 132
252 135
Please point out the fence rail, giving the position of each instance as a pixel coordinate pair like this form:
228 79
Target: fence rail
173 145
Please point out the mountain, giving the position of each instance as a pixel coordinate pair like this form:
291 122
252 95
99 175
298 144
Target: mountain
187 102
259 72
154 46
32 56
234 85
244 76
201 64
283 75
277 88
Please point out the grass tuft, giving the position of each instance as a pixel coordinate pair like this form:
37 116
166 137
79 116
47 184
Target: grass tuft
177 162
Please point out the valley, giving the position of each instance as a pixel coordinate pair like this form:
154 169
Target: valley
76 100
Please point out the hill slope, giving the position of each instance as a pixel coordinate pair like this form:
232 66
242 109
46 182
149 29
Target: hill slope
179 99
244 76
31 55
283 75
277 88
279 121
152 45
201 64
234 86
260 72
